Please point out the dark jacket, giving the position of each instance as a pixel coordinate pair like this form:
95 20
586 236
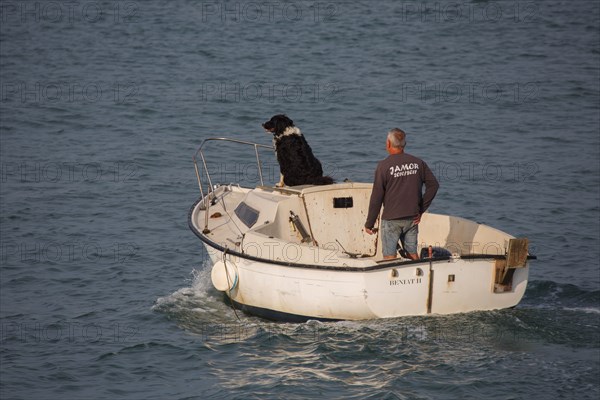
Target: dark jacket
398 185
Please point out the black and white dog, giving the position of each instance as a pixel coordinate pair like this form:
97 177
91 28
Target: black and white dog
297 163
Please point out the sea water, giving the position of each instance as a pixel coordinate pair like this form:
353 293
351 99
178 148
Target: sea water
105 292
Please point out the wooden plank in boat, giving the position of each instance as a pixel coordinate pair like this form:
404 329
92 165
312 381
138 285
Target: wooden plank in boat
517 253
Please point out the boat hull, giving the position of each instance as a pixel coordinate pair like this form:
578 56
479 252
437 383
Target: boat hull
295 254
297 293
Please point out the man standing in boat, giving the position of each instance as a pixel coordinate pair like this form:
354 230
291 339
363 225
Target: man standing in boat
398 186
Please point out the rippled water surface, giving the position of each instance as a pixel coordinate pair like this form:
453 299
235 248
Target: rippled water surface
105 293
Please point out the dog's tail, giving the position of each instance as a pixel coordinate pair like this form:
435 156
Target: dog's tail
322 180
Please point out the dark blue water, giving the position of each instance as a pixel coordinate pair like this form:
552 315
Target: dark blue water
105 293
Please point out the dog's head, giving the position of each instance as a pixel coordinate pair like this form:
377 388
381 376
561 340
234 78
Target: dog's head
278 124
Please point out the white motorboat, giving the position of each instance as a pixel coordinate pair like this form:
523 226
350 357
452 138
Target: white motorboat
300 253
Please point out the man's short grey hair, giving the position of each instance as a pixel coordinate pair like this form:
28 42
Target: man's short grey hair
397 138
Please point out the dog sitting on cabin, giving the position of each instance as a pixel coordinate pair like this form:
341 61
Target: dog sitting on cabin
297 163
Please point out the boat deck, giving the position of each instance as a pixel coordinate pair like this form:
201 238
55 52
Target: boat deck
271 234
323 225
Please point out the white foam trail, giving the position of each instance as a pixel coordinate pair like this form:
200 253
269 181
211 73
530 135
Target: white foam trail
200 288
201 281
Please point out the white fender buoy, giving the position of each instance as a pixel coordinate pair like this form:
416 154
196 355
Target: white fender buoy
224 276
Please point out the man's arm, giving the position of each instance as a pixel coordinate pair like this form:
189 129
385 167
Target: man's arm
376 200
431 188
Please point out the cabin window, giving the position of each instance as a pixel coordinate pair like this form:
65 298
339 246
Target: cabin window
342 202
246 214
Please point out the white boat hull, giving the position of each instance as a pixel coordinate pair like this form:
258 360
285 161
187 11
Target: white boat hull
297 294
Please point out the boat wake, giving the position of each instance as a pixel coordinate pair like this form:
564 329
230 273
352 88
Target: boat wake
550 313
561 296
196 304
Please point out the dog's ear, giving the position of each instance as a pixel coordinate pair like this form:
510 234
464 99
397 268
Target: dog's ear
281 123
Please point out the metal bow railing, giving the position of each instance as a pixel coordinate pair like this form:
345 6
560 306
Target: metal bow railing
200 152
